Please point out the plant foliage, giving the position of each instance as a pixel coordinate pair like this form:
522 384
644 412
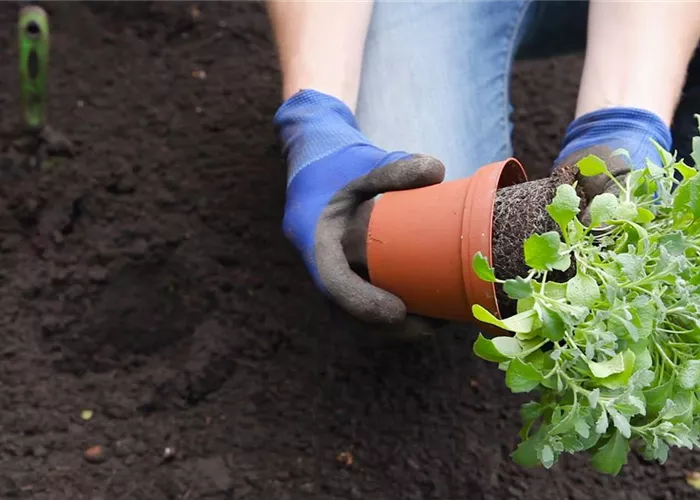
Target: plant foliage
613 353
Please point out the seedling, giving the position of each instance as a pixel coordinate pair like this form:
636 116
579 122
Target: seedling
33 32
33 41
614 352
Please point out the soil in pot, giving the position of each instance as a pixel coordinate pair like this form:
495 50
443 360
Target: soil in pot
520 211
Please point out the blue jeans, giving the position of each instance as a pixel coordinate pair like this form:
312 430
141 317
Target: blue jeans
436 74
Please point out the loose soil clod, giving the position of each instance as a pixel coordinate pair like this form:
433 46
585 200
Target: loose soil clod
345 458
95 454
168 454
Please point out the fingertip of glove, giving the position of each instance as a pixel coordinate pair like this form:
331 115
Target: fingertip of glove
419 170
426 161
374 306
385 309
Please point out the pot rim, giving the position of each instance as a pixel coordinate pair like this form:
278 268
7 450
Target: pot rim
481 199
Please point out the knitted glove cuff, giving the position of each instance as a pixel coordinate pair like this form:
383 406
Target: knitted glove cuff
617 127
311 126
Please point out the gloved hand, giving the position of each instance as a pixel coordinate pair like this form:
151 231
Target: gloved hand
602 132
333 169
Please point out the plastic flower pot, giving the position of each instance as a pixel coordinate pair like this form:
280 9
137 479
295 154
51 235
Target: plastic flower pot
421 242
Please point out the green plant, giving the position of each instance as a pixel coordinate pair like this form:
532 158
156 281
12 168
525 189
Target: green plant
614 352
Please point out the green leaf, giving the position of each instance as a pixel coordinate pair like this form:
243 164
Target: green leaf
603 369
553 290
620 422
534 333
612 456
689 374
530 411
682 436
521 322
518 288
655 172
666 157
498 350
680 407
695 154
622 152
567 422
542 251
527 453
631 265
591 165
642 377
603 208
521 376
564 261
572 443
630 405
623 327
602 424
592 439
547 456
675 243
553 326
687 199
685 170
565 205
643 318
582 290
525 304
621 379
659 450
482 268
657 395
582 428
639 182
643 360
644 216
655 449
626 210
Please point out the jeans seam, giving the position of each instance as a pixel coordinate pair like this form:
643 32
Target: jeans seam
510 54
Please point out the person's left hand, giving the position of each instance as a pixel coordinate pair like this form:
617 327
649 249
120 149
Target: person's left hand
604 131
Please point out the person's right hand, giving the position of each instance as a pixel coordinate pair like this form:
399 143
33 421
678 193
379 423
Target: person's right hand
332 169
603 133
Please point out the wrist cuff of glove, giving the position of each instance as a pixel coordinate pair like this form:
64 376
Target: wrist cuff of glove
309 106
612 125
312 125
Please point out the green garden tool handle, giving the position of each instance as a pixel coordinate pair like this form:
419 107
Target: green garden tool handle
33 30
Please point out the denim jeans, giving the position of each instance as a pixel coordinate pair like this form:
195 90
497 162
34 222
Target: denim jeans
436 74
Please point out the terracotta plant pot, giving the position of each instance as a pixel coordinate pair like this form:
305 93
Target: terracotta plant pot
421 242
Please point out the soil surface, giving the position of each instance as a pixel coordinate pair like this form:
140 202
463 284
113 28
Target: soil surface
147 279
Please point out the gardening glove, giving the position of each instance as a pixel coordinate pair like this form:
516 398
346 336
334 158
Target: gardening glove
332 169
604 131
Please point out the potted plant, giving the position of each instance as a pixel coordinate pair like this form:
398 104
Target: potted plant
611 344
421 242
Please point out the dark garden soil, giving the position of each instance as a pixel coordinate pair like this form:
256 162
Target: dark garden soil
148 280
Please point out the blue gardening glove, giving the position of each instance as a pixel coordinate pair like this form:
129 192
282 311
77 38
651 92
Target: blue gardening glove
334 174
601 133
